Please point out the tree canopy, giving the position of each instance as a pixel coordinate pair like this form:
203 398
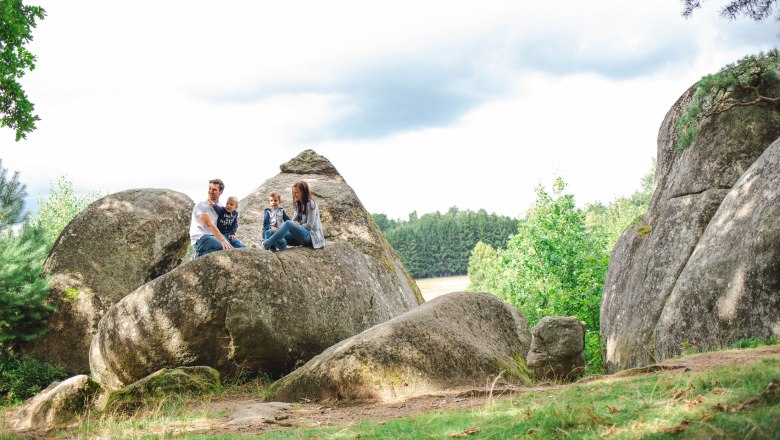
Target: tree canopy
440 244
757 10
16 24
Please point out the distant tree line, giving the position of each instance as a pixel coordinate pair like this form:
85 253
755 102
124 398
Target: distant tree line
440 244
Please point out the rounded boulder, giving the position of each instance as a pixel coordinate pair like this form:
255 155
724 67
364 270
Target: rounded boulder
456 340
112 247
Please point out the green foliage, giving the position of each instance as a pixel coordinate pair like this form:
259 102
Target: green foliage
553 266
738 84
12 194
22 377
755 341
557 262
16 24
612 219
23 289
57 209
440 244
482 259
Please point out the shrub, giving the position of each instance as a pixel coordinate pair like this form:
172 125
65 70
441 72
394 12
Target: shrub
22 377
57 209
23 289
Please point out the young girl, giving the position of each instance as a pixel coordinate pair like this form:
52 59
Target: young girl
305 228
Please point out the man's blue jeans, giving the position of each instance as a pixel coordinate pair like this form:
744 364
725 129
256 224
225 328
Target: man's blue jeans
235 242
206 245
291 232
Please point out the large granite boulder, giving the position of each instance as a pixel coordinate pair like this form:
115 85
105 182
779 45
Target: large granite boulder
730 286
644 289
343 216
112 247
557 349
247 309
459 339
57 405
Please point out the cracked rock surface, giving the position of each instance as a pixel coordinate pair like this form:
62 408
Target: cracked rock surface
701 271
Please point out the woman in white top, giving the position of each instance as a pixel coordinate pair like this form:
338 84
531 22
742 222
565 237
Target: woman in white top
305 228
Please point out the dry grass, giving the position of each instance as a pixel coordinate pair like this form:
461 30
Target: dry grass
433 287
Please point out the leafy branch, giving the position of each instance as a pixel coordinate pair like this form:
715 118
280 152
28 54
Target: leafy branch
16 24
741 84
757 10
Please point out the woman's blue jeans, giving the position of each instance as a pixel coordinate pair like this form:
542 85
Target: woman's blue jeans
290 231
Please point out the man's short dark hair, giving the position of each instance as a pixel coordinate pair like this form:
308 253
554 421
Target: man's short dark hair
218 182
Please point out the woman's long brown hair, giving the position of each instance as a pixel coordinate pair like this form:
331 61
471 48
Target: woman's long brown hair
301 205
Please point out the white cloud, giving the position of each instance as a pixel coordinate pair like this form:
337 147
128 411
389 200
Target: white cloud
171 94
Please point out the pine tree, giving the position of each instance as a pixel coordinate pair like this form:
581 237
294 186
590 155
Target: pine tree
23 290
12 194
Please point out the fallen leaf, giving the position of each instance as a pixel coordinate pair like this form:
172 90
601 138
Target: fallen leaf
529 432
698 400
469 431
718 390
613 431
685 424
678 394
612 409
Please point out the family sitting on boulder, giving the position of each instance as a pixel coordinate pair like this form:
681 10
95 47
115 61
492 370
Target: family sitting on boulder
304 229
213 227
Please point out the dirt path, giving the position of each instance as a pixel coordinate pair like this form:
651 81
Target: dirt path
250 416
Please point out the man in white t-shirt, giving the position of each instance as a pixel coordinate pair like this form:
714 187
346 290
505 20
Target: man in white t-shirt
204 235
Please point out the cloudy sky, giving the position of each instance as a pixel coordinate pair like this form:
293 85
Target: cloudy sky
421 105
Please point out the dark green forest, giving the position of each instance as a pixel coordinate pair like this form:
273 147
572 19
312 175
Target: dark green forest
437 244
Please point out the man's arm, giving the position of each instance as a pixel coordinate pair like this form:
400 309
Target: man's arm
213 228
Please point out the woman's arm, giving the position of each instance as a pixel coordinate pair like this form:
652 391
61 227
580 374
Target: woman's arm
311 208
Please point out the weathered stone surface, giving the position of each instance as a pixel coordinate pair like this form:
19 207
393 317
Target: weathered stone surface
557 349
459 339
649 258
343 216
158 385
730 287
249 309
56 405
116 244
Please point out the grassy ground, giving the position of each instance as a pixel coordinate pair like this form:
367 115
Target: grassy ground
730 401
725 402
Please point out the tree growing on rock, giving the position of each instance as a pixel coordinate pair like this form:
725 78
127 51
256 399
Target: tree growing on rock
753 80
